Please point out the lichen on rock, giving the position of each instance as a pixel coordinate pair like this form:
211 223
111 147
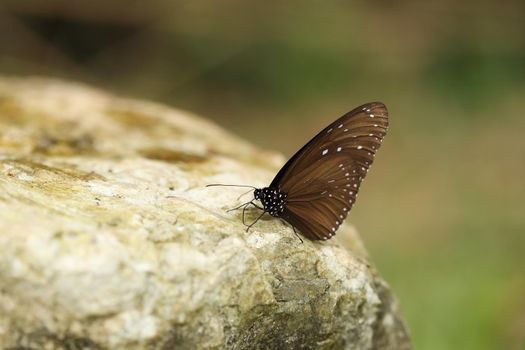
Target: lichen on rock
109 238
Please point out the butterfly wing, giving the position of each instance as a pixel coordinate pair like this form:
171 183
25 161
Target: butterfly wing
323 178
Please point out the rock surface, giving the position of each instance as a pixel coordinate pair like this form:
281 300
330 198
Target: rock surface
109 239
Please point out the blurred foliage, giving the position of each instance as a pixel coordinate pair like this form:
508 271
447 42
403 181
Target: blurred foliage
473 77
442 211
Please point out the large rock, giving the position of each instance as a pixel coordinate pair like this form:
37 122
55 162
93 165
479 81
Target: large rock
109 238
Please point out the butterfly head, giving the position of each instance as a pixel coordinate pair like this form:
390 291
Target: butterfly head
272 200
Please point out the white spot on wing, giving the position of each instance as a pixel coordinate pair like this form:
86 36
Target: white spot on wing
325 152
338 149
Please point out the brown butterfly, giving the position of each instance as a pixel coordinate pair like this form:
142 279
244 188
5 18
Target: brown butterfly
317 187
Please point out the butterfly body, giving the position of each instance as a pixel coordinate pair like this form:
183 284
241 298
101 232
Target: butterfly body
272 199
315 190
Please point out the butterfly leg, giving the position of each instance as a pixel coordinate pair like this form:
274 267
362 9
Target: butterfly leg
239 207
253 223
243 211
294 230
258 207
246 207
244 194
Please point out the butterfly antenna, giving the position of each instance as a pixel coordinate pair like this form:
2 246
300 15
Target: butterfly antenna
212 185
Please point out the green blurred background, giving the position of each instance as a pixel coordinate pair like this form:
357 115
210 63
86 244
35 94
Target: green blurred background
442 211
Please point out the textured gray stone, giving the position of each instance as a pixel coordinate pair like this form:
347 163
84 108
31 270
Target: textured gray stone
109 239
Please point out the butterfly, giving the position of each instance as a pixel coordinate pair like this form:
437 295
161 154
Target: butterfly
317 187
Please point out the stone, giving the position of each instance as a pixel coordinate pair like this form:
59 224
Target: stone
109 238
